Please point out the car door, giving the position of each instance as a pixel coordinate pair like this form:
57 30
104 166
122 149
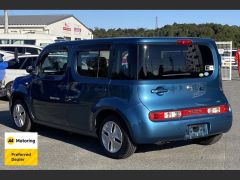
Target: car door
88 82
49 87
14 69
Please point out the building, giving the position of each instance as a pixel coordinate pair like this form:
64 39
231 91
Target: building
42 29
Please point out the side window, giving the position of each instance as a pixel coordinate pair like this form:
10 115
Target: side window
30 50
7 49
124 62
93 63
28 62
123 65
54 62
20 50
16 63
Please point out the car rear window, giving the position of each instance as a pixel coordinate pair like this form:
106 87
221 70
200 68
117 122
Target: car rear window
174 62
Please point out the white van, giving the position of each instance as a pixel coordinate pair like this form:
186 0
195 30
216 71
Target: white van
21 48
5 55
16 68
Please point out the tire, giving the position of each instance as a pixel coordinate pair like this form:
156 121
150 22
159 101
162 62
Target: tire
208 140
8 90
111 130
20 116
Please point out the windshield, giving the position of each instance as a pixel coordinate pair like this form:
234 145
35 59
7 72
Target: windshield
174 61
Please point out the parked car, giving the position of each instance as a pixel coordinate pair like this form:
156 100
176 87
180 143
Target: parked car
16 68
21 48
126 91
3 66
4 55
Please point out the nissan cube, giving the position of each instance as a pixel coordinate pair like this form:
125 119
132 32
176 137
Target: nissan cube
126 92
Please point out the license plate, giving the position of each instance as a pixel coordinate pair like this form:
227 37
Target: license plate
197 131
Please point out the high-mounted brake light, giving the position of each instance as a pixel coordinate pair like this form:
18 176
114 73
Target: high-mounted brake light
184 42
165 115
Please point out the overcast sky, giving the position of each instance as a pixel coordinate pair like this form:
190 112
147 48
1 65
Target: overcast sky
141 18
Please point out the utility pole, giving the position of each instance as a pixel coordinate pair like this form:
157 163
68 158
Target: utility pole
156 26
6 21
156 22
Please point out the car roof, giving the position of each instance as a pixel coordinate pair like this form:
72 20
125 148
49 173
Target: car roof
132 40
20 56
6 52
20 45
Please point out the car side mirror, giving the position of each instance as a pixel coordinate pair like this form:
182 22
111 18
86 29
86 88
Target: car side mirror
30 69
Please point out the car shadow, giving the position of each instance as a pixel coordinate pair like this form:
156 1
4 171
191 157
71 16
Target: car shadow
85 142
164 146
88 143
5 119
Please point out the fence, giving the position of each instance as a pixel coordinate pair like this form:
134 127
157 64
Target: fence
227 57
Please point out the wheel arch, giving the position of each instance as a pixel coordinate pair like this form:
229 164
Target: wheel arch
8 87
107 111
10 82
17 96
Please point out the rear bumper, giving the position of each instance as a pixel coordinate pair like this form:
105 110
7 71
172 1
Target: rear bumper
144 131
3 92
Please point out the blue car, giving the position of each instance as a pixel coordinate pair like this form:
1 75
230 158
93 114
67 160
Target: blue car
126 92
3 67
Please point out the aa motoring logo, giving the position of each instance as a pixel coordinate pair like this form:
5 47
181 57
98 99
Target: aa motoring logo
10 140
21 149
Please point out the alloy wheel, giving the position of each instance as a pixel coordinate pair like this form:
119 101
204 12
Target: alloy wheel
112 137
19 115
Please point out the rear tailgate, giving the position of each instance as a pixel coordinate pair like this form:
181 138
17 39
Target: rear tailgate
180 74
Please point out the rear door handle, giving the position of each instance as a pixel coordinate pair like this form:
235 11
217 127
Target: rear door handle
159 91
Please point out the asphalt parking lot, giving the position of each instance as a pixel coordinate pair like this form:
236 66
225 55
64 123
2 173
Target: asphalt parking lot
62 150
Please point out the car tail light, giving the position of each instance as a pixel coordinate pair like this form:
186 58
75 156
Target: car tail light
166 115
184 42
195 111
172 114
218 109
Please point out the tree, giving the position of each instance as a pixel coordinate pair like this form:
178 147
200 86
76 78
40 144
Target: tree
217 32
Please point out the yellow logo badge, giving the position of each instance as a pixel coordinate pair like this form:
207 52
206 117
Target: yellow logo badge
10 140
21 149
